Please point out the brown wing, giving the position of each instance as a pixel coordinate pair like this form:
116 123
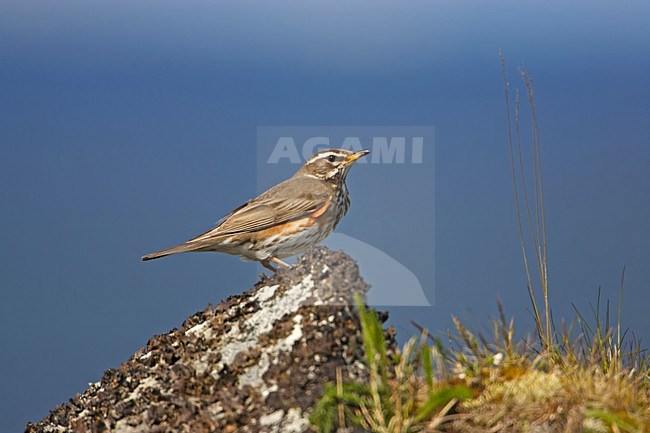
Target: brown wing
290 200
287 201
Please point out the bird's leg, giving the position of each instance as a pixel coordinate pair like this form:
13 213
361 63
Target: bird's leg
268 266
279 262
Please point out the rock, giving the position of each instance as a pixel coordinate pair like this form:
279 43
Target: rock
255 363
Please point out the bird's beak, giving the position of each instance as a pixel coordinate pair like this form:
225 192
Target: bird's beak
350 159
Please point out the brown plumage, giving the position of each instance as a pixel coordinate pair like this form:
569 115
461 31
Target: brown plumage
285 220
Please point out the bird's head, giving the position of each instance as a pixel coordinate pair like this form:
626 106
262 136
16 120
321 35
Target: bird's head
331 164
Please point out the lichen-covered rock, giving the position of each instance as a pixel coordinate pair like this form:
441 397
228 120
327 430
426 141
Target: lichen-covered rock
255 363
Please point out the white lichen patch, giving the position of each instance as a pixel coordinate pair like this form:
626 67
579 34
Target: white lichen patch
148 382
56 429
241 338
216 409
294 421
272 418
265 293
123 426
278 422
199 329
253 376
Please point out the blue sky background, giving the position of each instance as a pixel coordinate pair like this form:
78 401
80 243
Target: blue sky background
128 126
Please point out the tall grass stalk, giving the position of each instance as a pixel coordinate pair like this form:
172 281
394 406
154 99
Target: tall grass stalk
531 218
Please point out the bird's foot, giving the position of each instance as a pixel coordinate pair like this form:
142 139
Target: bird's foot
267 265
279 262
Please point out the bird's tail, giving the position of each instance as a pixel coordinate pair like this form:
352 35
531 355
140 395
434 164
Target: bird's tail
169 251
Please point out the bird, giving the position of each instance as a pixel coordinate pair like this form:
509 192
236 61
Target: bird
285 220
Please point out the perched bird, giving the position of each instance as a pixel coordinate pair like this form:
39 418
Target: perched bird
285 220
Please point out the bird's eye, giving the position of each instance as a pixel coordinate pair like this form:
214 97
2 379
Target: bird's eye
331 158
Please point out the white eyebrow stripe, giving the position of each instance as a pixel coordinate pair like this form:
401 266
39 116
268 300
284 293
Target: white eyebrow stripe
323 154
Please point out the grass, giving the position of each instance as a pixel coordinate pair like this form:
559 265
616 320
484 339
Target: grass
588 377
492 383
401 393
